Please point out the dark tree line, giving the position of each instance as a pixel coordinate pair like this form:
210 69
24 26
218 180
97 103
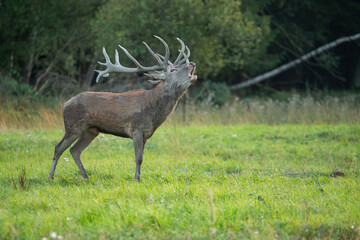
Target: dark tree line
57 43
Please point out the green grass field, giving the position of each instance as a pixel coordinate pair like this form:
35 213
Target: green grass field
213 182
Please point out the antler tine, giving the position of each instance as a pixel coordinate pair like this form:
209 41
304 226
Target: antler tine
181 51
167 50
154 54
163 58
117 61
104 73
107 59
131 57
186 57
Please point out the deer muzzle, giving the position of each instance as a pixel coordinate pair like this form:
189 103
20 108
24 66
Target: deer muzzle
192 67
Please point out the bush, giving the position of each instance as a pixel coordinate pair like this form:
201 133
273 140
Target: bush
212 92
9 87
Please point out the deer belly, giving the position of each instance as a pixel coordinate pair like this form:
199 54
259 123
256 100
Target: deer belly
120 132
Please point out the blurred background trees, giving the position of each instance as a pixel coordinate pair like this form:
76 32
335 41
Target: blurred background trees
52 47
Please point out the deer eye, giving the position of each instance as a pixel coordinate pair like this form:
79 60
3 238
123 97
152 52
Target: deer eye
172 70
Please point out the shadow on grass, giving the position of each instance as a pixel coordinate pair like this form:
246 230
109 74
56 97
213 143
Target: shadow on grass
104 178
308 174
304 174
70 179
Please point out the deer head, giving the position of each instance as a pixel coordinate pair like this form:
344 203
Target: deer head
178 75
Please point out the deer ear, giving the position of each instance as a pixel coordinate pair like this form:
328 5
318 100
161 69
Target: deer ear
159 75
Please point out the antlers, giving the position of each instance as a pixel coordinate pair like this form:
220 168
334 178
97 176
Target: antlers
162 61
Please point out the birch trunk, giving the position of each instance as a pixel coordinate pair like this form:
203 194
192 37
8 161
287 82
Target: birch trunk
293 63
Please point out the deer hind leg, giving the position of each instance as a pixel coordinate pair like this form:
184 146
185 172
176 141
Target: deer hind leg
139 144
67 140
86 138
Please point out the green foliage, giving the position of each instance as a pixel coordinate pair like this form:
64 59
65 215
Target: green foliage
34 33
221 93
9 87
212 92
220 36
235 182
230 40
329 61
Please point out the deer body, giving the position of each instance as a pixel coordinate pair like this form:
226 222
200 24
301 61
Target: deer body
120 114
135 114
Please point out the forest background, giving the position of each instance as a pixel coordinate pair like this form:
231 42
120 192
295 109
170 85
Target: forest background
51 48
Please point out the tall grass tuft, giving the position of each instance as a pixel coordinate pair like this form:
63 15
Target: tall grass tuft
27 114
22 182
295 109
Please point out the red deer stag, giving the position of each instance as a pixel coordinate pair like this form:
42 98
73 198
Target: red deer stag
135 114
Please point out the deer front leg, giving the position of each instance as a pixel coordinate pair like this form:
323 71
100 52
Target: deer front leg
139 144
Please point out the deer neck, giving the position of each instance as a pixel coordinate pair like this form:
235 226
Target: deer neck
164 99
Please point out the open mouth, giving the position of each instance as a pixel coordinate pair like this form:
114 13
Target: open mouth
192 67
192 71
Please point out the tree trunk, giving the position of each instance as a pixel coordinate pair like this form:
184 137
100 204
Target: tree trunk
42 76
293 63
29 68
89 80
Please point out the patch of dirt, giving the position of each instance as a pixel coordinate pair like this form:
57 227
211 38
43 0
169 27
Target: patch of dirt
337 174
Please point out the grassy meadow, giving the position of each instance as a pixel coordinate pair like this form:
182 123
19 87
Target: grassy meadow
259 179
